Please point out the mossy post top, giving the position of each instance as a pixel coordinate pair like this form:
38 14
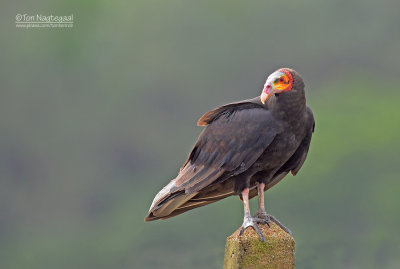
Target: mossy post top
249 251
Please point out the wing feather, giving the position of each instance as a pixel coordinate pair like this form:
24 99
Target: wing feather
232 141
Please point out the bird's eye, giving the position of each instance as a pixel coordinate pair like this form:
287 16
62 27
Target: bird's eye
281 79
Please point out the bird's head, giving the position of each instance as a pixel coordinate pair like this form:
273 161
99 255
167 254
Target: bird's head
278 82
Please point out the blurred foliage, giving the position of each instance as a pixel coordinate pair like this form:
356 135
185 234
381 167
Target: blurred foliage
96 119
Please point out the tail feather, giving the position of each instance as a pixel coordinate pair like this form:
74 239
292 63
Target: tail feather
169 205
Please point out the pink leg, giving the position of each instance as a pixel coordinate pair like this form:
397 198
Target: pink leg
248 220
260 188
261 216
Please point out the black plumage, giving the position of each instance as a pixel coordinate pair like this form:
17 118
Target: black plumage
244 144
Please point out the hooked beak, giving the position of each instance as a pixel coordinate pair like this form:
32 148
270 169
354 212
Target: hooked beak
266 93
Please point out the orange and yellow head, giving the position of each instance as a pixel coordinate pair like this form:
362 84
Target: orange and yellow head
279 81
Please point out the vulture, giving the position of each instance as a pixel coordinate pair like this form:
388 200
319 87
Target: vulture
245 148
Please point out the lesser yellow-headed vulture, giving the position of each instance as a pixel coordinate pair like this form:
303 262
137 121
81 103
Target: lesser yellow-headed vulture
245 149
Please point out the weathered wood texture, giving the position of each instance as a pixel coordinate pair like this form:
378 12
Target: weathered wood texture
249 251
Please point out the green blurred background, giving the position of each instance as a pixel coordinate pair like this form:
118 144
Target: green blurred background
96 119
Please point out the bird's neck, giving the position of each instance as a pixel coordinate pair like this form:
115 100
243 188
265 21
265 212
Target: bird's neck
288 106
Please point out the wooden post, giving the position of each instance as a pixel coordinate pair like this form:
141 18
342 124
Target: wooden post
249 251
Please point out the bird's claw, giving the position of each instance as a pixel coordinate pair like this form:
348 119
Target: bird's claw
283 227
264 218
250 222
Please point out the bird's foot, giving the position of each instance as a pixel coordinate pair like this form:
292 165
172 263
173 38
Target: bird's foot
264 218
248 221
283 227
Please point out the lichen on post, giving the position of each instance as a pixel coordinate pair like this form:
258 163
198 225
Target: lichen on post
249 251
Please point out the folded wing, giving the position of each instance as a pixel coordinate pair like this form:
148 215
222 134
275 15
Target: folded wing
234 138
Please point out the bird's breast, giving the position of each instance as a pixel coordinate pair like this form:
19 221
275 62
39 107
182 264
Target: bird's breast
278 152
